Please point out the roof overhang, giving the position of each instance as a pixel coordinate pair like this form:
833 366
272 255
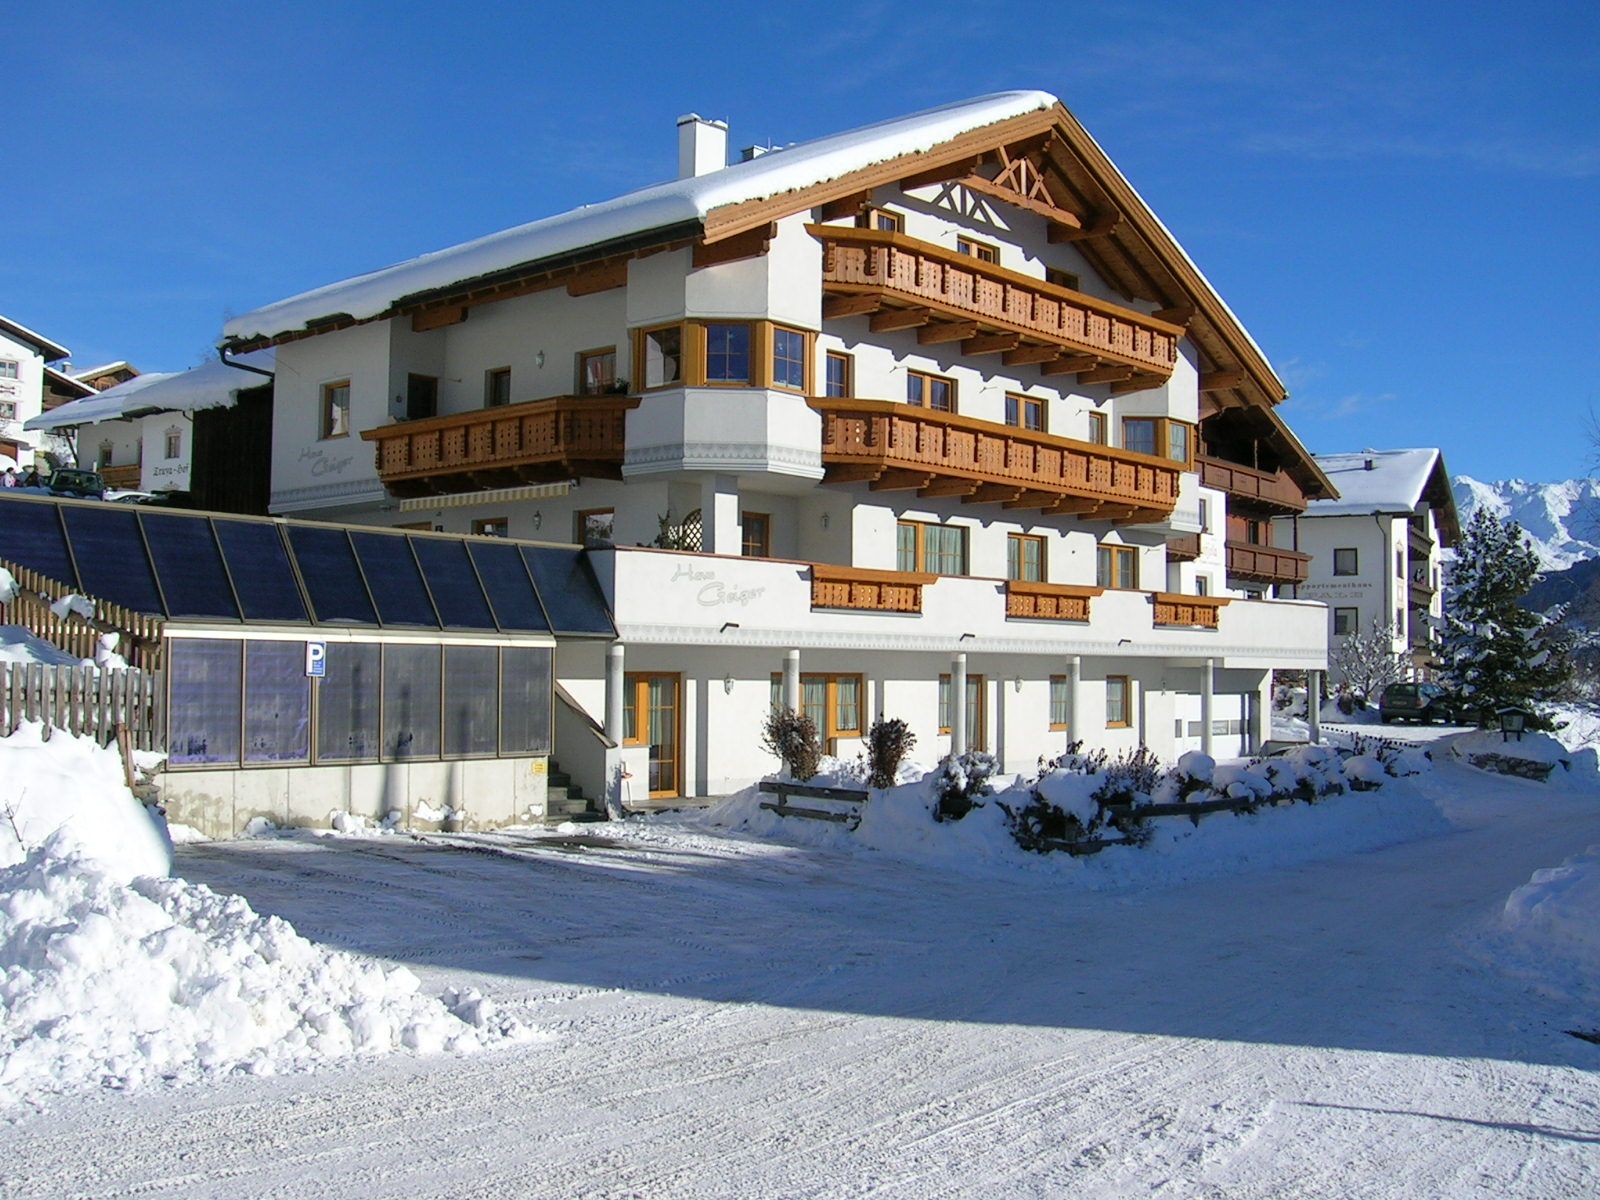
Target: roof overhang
48 350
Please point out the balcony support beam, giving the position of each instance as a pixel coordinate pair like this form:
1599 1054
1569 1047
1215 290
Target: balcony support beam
891 319
946 331
901 481
991 343
834 307
1028 355
1072 364
1106 375
948 487
1100 227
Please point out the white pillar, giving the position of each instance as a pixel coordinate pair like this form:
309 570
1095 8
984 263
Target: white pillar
958 704
1314 704
1074 678
614 689
719 515
1207 671
791 680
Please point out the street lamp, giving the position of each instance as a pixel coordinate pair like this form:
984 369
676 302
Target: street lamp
1513 720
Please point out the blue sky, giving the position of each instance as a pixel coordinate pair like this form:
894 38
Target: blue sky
1400 201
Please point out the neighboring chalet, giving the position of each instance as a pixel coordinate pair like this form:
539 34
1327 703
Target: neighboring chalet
30 382
1376 550
900 421
146 432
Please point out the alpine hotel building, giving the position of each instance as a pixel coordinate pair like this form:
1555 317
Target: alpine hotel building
909 420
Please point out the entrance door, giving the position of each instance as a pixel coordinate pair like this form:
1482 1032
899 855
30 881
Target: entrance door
651 718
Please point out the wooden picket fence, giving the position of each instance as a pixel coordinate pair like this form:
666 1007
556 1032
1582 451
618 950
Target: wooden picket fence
84 701
139 642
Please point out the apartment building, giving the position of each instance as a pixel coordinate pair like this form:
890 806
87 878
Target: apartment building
31 380
900 421
1376 550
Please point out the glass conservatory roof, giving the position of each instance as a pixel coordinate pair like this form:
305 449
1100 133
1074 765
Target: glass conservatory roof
215 567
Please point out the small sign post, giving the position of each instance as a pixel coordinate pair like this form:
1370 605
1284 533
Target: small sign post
316 659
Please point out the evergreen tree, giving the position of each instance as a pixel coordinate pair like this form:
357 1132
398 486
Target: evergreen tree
1494 652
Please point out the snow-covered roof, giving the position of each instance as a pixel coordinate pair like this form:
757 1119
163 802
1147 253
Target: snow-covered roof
211 385
101 369
661 206
1386 481
66 383
48 350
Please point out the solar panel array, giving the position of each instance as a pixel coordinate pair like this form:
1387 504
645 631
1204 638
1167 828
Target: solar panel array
211 567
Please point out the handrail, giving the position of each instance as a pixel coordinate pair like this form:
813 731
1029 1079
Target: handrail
588 722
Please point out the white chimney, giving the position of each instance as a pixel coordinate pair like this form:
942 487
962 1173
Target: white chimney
702 145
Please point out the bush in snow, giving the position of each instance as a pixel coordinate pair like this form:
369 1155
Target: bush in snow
961 780
888 743
1130 777
792 736
1190 776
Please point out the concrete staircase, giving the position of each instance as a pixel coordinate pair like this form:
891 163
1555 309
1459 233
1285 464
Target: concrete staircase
565 801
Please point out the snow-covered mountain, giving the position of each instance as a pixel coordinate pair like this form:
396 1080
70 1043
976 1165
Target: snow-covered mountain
1561 519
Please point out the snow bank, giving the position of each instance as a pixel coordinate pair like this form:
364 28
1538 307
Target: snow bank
113 975
1532 747
1552 927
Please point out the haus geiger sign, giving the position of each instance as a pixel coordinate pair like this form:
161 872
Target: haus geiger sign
711 592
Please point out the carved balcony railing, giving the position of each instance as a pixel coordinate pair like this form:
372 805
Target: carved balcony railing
1183 548
1270 490
1267 564
904 282
538 441
125 477
901 446
1038 601
1172 609
864 588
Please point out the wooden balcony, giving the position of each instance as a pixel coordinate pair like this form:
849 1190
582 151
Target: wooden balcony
125 477
1172 609
539 441
900 446
1266 564
869 590
1272 491
1183 548
1038 601
906 283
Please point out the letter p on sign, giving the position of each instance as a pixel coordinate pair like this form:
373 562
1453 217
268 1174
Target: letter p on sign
316 659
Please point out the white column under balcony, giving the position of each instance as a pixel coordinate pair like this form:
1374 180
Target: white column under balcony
614 692
1207 675
719 515
1314 704
791 680
1074 707
958 704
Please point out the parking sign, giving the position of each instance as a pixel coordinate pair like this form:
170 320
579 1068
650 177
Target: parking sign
316 659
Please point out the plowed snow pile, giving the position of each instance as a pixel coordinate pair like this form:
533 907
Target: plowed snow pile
113 975
1552 923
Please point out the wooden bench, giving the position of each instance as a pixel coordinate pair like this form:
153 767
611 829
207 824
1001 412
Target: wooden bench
850 818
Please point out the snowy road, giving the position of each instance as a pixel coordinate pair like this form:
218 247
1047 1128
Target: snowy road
739 1019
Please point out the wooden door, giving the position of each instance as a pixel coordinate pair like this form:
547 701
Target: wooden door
652 716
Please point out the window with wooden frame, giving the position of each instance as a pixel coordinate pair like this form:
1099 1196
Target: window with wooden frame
1205 515
1345 621
1119 702
975 709
931 391
1097 428
833 702
791 355
496 387
1117 567
1025 412
658 357
727 352
982 251
1060 702
841 374
1345 561
935 549
336 409
593 526
883 219
1254 531
492 527
174 443
1062 279
597 371
1025 557
755 535
1160 437
1202 585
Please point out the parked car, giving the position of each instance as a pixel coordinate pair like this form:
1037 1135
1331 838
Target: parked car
70 481
1424 702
